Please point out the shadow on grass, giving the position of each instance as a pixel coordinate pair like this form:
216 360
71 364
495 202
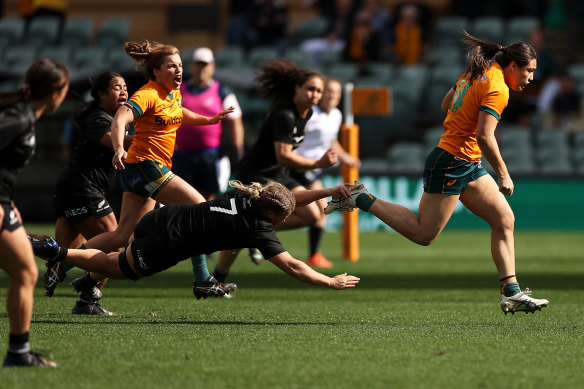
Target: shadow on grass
374 281
180 322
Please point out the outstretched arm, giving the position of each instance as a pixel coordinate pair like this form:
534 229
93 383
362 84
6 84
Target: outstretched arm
191 118
305 197
301 271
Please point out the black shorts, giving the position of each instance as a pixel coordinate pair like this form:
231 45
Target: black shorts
76 208
149 249
10 221
199 169
306 178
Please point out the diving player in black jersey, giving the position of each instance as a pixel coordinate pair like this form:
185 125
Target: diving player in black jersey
293 91
80 198
46 83
241 218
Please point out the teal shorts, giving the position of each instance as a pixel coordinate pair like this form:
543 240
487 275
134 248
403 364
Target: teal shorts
145 178
446 174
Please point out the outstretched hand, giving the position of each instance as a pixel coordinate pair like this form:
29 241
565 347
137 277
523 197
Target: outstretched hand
341 191
221 115
344 281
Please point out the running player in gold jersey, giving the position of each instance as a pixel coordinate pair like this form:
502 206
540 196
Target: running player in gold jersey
453 170
157 113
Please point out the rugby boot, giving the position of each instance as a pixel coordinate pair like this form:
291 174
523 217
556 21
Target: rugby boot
522 302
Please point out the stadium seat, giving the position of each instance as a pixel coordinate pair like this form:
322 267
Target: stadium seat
406 157
90 59
315 27
42 31
299 57
374 166
576 71
61 53
441 79
11 32
121 62
329 58
344 71
409 83
447 55
554 140
18 58
557 167
448 31
376 74
261 54
518 28
514 137
229 57
113 33
578 140
77 32
519 162
489 28
432 137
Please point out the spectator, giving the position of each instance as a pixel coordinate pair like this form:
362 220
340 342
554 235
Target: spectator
566 109
198 156
268 24
336 37
408 36
363 41
320 134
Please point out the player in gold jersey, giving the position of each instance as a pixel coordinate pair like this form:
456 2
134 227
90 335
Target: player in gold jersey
157 113
453 170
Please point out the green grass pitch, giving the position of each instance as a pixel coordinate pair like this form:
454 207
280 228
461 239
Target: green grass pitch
422 317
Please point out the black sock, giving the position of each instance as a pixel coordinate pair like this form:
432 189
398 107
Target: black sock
87 280
18 344
220 275
314 234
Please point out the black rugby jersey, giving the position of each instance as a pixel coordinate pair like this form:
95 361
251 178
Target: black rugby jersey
283 124
231 221
90 168
17 144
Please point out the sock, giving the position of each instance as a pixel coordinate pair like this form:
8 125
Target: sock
200 270
365 201
66 266
18 344
87 280
220 274
314 234
510 288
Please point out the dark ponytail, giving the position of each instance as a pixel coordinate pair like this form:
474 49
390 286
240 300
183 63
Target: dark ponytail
483 54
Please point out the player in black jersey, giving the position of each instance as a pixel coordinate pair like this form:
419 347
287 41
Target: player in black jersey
240 218
45 87
80 197
293 91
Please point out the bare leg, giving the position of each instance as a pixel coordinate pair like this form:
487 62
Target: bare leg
305 216
178 191
17 260
96 261
434 212
482 197
226 259
133 208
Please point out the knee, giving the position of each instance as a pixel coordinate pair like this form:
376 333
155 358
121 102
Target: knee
425 240
311 214
505 222
26 277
